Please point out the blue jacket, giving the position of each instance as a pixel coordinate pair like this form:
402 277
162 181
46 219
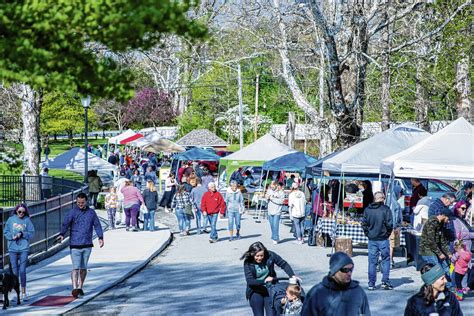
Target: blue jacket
234 200
151 199
449 306
80 223
330 299
17 225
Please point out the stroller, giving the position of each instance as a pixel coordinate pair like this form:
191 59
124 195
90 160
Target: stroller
277 291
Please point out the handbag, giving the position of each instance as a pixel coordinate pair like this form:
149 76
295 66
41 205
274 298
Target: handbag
188 210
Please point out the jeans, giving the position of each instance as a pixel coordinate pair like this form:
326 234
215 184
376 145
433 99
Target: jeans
149 220
299 227
234 217
275 226
198 220
183 220
259 304
443 263
213 221
205 222
131 215
376 248
111 214
93 198
19 259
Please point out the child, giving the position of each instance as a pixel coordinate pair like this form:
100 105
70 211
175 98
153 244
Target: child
461 260
292 304
111 203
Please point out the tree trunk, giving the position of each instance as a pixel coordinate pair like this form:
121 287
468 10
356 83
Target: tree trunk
31 102
290 130
348 131
463 90
385 80
300 99
421 103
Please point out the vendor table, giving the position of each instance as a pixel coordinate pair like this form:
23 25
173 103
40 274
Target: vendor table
355 232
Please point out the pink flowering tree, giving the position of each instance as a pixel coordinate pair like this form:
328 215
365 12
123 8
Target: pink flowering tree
151 108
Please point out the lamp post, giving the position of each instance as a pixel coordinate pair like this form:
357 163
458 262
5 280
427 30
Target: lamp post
86 101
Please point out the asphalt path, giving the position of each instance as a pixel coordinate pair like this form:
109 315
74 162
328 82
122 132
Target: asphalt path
194 277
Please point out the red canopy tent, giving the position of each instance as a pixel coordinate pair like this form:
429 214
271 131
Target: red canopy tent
131 138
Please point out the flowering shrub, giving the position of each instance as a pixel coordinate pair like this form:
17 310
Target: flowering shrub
12 160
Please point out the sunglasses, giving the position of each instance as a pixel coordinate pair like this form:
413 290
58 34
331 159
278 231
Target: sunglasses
346 270
20 212
463 208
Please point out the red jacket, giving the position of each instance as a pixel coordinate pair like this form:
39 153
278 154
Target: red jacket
213 203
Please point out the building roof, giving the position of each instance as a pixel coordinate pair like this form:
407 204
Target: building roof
201 138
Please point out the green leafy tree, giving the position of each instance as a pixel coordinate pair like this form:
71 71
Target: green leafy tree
62 114
73 46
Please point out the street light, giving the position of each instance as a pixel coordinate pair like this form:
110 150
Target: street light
86 101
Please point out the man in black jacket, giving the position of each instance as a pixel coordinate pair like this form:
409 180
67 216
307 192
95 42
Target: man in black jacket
337 294
378 226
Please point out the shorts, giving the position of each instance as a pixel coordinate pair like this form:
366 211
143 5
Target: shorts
395 238
80 257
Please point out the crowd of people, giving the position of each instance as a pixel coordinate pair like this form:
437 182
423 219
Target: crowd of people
191 193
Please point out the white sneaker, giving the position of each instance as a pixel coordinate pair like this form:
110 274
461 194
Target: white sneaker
275 242
24 297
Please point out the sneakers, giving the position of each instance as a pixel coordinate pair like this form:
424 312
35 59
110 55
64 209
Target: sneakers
81 292
466 290
459 294
75 293
231 238
386 286
24 297
212 240
371 287
275 242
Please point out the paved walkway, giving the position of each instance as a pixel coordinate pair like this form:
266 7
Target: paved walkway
193 277
124 253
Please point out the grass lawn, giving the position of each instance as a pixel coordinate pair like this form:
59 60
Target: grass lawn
61 145
57 147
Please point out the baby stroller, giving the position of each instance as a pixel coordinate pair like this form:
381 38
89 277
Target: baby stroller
277 291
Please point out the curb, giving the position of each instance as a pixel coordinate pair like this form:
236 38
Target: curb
126 276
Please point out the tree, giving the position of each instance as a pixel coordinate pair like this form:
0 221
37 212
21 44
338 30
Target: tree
71 46
62 114
150 107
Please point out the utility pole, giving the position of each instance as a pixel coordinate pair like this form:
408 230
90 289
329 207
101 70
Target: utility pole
241 106
256 109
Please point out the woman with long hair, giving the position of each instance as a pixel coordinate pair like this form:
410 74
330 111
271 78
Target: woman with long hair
433 298
259 269
151 202
181 200
19 230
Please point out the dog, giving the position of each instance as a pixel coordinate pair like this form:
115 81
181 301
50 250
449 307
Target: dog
9 281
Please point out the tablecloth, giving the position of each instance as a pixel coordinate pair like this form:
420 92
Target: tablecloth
355 232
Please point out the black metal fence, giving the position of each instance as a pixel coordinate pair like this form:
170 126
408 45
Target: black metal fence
47 206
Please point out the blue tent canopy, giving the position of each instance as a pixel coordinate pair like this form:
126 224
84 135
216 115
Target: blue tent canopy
315 168
198 154
295 162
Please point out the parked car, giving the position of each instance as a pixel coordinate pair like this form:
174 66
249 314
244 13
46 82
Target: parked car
435 188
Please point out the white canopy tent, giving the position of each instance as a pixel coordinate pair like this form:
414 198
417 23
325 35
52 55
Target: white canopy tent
262 150
74 159
116 139
365 157
154 142
446 155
